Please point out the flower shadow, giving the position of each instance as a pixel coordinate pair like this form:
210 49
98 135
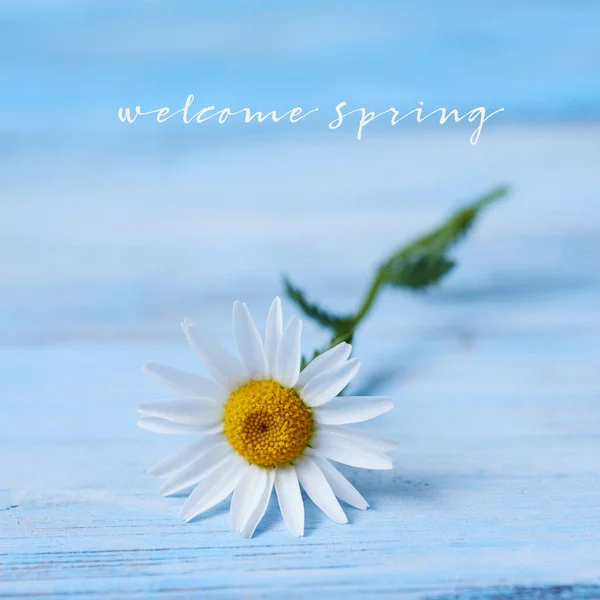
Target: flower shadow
313 517
380 486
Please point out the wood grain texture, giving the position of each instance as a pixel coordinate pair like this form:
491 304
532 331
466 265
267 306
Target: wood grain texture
496 379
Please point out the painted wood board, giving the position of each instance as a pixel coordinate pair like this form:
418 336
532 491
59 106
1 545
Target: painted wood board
496 379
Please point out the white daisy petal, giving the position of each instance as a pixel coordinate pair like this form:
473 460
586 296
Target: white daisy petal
214 488
185 411
290 499
273 332
201 467
261 508
184 383
330 383
219 362
287 364
315 485
246 496
249 343
158 425
348 452
351 409
363 438
185 455
333 356
341 487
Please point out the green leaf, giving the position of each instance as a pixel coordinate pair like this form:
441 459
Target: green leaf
417 272
423 262
315 312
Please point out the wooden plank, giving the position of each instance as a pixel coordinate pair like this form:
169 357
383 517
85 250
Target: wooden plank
495 377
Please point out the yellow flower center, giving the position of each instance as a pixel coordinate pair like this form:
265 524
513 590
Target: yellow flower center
267 423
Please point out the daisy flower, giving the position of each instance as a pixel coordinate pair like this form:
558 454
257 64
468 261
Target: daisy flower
264 423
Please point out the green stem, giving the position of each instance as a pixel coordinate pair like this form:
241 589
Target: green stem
369 298
361 313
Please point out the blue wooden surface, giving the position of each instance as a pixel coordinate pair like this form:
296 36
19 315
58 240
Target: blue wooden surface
495 375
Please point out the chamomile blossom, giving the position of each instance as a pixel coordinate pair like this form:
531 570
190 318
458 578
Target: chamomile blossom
264 423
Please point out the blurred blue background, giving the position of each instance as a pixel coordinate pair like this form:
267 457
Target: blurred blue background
112 231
